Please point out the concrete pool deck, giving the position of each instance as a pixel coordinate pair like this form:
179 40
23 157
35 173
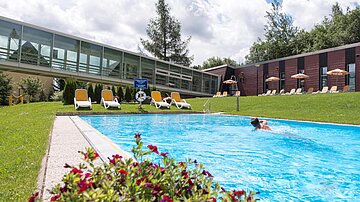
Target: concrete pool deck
69 135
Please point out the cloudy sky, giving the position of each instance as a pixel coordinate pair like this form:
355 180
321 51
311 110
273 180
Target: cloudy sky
224 28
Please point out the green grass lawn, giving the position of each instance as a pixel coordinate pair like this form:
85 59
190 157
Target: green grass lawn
25 129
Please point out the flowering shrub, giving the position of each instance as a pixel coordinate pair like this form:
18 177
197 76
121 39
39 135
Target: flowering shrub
142 180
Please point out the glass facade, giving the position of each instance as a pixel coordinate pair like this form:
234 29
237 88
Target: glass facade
323 77
29 45
350 78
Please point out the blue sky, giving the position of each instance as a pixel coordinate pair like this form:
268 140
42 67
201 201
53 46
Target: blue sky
223 28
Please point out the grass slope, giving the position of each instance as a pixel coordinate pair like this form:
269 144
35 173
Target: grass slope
335 108
24 131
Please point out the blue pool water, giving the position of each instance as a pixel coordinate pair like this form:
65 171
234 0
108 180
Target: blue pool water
297 161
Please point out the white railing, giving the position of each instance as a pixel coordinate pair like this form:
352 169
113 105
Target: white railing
206 106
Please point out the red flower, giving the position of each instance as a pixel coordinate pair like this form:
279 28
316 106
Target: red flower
95 155
153 148
185 174
137 135
166 199
91 156
113 160
190 183
55 197
138 182
181 163
87 175
122 171
83 184
204 172
149 185
76 171
249 198
239 192
212 199
33 197
164 154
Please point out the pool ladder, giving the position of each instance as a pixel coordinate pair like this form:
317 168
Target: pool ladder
206 106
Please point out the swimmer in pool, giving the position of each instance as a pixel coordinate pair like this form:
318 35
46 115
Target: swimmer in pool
259 124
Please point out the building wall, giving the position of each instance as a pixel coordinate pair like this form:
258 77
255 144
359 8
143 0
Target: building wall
357 66
251 77
260 80
247 80
336 60
312 70
291 69
274 71
16 77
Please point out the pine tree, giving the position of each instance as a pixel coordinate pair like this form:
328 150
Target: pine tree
165 37
97 96
128 94
120 93
5 88
91 92
69 92
113 89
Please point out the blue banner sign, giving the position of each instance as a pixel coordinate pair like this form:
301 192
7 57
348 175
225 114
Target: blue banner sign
141 83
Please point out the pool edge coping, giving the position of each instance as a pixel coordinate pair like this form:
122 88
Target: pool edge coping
103 145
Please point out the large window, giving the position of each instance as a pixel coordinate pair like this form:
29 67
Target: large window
323 77
131 66
65 53
186 79
350 78
148 69
36 47
162 73
9 40
111 64
196 81
301 82
282 80
90 58
214 84
175 76
207 83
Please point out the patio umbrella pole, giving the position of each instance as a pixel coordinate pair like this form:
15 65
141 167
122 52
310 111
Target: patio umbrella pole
237 103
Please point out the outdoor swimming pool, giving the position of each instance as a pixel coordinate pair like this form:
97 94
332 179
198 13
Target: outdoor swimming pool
297 161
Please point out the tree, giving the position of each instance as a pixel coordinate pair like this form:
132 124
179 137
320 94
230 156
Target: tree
120 93
217 61
165 37
97 93
90 90
31 86
128 94
42 96
5 87
279 35
69 92
113 89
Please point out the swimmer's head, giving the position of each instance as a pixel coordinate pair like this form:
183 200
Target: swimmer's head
255 122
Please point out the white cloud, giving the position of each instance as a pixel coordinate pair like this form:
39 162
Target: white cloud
224 28
307 13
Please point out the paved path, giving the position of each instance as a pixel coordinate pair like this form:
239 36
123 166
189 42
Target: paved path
69 135
66 141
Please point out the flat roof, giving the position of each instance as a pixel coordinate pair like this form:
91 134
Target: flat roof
289 57
97 43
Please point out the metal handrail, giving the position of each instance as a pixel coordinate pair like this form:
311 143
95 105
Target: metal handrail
206 106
